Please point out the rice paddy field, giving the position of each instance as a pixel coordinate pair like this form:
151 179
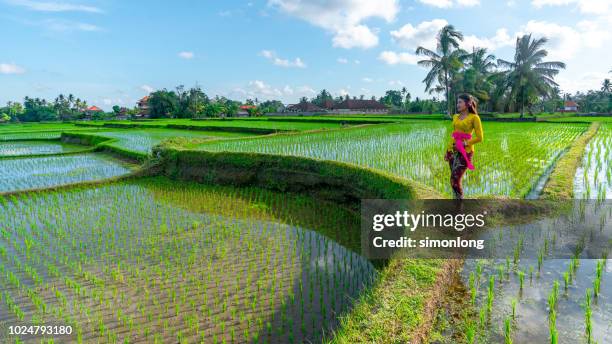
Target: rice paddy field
17 148
33 173
594 177
508 162
92 240
142 140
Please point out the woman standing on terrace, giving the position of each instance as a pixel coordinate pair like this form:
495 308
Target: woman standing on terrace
467 131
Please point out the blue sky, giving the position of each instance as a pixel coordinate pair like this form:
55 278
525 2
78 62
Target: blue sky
114 52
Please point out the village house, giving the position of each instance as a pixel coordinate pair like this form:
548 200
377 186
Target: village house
304 107
359 106
347 106
570 106
91 111
143 107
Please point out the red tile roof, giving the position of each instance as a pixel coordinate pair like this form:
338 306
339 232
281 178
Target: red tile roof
94 108
570 103
246 107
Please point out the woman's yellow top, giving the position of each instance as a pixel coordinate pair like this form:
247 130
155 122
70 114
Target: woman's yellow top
470 125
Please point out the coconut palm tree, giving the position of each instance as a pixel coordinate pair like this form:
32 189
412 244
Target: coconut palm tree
528 76
476 78
606 86
443 63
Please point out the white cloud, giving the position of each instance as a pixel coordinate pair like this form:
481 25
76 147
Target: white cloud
599 7
342 60
187 55
450 3
288 90
396 83
565 42
393 58
271 55
582 81
59 25
53 6
11 68
366 79
424 34
359 36
342 18
305 90
147 88
260 89
501 39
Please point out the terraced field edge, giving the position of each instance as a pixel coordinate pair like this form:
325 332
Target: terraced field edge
560 185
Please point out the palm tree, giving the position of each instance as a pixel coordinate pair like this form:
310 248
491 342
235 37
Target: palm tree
528 75
477 79
606 86
443 63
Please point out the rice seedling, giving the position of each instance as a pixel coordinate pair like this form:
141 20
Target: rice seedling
588 324
19 148
413 150
23 174
508 331
143 140
187 257
593 179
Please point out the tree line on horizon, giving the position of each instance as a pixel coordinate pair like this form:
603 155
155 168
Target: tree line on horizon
522 84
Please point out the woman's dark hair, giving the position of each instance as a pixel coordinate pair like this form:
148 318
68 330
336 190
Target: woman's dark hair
471 102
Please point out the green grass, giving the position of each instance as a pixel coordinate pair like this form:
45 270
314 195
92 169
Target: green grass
20 148
18 174
258 123
585 119
561 181
508 162
185 261
142 140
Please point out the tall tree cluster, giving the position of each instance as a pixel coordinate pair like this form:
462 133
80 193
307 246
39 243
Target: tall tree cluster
500 85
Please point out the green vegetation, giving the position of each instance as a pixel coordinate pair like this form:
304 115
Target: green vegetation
594 177
218 264
186 266
17 148
18 174
560 185
508 162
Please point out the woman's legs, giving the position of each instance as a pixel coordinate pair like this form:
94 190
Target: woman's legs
458 165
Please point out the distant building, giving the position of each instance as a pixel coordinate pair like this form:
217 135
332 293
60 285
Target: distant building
123 113
243 110
143 107
360 105
570 106
92 110
304 107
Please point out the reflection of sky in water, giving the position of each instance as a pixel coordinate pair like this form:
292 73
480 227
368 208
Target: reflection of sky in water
35 147
532 308
594 177
134 218
41 172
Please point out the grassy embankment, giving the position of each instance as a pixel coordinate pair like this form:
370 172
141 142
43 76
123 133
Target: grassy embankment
560 185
